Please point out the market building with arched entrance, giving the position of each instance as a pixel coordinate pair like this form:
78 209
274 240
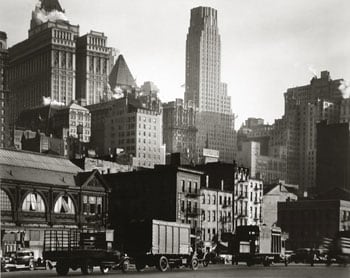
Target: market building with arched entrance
42 192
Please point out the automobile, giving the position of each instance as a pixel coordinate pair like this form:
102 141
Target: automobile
302 255
20 259
289 256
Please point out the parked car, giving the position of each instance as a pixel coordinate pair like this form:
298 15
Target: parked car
20 259
289 255
302 255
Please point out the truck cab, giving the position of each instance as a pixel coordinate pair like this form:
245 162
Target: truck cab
258 244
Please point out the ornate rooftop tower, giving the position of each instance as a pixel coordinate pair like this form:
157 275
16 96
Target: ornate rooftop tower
44 64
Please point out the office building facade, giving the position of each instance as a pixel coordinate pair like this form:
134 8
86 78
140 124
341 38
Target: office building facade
304 107
123 123
204 89
179 130
44 65
333 156
92 68
4 92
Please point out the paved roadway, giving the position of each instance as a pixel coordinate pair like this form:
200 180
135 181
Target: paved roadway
213 271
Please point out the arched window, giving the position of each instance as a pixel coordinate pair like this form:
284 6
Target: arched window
33 202
5 203
64 204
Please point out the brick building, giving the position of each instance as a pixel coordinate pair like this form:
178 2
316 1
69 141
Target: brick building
179 130
124 123
333 156
308 221
216 213
273 194
165 193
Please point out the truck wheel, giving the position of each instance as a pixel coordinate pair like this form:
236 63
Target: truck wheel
266 261
62 268
104 269
205 262
194 264
163 264
87 269
125 266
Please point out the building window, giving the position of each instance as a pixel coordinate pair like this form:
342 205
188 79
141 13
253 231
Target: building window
183 186
64 204
92 205
214 215
33 202
5 203
220 200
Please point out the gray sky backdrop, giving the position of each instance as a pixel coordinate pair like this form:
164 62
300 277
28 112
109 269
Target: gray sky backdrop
267 45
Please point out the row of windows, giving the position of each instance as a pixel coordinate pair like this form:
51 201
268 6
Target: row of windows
33 202
211 216
190 186
63 35
149 119
208 199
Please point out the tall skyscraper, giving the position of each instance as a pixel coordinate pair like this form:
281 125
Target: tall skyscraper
305 106
203 63
204 89
93 67
4 91
44 64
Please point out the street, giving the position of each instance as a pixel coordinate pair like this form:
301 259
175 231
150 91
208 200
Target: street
292 271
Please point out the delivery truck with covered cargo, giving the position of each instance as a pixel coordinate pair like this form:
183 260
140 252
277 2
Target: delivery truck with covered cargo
158 243
258 244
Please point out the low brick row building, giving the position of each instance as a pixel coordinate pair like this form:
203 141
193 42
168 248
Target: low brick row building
40 192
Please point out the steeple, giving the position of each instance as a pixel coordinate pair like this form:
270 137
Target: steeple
51 5
121 75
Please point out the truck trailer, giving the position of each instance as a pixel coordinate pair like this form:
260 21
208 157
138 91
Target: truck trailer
159 243
73 249
337 248
258 244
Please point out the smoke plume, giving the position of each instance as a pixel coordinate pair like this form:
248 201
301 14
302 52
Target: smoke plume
312 70
41 15
48 101
344 87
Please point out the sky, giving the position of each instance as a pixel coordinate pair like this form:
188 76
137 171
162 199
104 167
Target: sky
267 46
